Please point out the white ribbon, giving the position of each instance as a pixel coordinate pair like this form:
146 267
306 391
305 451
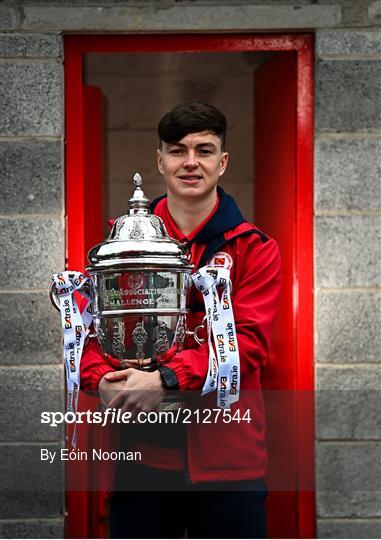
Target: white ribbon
75 328
224 366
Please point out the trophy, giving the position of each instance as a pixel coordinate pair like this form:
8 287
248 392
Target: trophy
136 290
139 278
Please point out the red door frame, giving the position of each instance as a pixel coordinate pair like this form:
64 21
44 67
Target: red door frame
76 194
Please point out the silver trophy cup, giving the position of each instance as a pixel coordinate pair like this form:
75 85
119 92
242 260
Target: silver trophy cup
139 282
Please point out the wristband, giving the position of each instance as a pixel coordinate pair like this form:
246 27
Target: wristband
168 378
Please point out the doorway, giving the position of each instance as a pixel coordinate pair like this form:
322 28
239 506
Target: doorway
139 88
264 85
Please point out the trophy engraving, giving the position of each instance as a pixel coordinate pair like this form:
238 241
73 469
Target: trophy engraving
139 337
112 298
118 347
118 227
162 342
136 280
100 336
157 225
136 233
180 333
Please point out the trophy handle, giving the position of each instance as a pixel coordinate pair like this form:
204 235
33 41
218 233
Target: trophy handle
199 340
53 296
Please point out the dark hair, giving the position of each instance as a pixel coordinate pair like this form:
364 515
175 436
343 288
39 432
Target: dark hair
192 117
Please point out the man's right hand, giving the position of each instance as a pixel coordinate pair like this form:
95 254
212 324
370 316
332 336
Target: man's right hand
107 390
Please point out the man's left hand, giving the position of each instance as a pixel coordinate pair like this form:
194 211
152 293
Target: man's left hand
142 391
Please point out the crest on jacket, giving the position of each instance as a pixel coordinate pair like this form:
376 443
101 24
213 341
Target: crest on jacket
221 260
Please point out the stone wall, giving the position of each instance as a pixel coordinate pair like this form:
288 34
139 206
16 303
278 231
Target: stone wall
347 235
347 194
32 247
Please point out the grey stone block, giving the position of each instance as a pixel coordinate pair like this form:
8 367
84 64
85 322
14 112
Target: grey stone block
348 327
26 393
348 403
349 378
32 251
8 18
31 96
347 174
31 177
30 45
344 42
29 486
349 528
374 12
33 528
348 415
347 251
31 329
355 14
181 17
346 502
348 95
348 479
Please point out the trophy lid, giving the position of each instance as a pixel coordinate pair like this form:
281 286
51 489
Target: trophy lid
138 239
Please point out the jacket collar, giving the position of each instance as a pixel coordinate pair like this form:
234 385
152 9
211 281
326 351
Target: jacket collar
226 218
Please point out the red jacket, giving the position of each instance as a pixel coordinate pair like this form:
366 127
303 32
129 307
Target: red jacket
236 450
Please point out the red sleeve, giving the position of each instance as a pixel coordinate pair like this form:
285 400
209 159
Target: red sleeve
93 366
254 297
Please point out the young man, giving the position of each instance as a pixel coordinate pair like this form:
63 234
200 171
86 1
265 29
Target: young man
206 477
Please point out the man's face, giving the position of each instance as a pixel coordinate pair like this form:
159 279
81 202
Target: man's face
192 166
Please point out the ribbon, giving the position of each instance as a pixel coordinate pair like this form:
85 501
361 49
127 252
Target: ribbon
75 327
224 365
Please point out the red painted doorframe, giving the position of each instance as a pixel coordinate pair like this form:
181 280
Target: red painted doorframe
76 194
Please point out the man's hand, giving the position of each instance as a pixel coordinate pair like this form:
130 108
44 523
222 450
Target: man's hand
136 363
132 390
107 389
